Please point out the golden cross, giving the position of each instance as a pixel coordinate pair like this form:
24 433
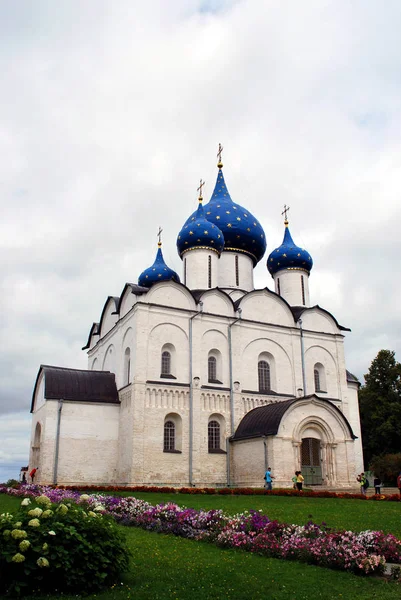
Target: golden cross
219 155
285 211
201 184
159 235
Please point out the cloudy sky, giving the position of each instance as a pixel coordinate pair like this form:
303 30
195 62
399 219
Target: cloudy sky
110 114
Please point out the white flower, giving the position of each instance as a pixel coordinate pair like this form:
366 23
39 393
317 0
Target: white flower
34 523
26 502
24 545
51 532
18 534
47 513
44 500
18 558
62 509
35 512
42 562
92 514
84 498
99 507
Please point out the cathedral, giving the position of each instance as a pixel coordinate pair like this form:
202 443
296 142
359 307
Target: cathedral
203 380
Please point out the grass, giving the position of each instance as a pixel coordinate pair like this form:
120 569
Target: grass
166 567
357 515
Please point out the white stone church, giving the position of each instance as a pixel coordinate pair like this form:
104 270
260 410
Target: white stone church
205 381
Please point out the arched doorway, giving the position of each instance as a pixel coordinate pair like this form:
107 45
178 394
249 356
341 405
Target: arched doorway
311 465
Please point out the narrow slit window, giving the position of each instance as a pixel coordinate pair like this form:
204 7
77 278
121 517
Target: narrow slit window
210 272
278 286
303 289
213 435
166 363
236 271
317 380
185 271
169 436
264 376
212 368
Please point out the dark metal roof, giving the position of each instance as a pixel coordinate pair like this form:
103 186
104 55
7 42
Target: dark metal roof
298 310
352 378
93 331
77 385
265 420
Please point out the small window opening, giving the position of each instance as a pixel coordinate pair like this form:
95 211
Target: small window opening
278 286
213 435
236 271
166 363
303 289
185 271
169 436
212 368
264 376
210 272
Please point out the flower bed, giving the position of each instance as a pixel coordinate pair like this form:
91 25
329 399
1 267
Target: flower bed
364 552
19 491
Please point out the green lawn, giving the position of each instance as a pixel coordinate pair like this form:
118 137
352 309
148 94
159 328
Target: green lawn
357 515
166 567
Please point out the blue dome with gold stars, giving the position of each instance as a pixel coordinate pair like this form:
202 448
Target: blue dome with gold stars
289 256
159 271
241 231
199 233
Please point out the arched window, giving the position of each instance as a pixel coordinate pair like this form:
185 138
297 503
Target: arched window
166 363
212 369
169 436
127 367
213 435
264 376
317 380
319 376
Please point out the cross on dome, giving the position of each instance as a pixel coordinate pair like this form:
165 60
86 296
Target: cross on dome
201 184
220 164
159 235
285 211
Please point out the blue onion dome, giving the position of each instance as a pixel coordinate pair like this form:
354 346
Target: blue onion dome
241 231
289 256
198 232
159 271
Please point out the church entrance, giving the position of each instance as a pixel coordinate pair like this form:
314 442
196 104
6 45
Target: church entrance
311 466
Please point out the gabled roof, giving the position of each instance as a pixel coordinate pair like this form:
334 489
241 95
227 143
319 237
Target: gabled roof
265 420
77 385
94 330
298 310
352 378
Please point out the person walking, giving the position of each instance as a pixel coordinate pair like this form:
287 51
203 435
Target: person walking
362 482
377 484
300 481
399 483
294 480
269 479
32 474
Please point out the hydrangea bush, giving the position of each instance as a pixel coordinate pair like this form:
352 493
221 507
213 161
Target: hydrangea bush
59 547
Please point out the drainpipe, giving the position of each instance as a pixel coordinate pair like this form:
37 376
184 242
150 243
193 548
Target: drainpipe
302 355
232 420
56 452
230 356
191 395
265 449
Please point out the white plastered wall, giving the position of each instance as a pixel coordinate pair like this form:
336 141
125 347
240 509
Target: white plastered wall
227 271
291 286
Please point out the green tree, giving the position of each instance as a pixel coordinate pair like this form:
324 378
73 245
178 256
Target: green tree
380 407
